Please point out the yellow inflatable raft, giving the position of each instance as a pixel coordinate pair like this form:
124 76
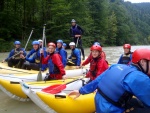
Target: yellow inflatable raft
65 104
60 102
4 69
13 89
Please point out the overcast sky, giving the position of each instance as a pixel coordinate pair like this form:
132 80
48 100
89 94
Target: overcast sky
137 1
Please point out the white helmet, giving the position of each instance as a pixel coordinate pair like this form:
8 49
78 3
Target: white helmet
72 44
40 40
73 21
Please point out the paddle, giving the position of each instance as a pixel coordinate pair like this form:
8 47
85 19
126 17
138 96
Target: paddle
39 76
77 42
28 39
25 45
54 89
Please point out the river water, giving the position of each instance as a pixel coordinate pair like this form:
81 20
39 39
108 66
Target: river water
8 105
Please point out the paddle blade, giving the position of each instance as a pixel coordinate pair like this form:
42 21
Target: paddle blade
39 76
54 89
50 87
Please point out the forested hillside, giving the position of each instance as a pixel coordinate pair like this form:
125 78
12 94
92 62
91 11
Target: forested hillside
111 22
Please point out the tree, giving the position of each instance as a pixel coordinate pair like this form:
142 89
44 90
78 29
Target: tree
112 29
99 15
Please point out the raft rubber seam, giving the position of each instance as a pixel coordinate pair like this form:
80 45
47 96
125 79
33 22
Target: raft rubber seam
12 95
38 102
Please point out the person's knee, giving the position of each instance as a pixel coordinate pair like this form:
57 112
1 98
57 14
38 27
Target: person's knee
26 65
10 64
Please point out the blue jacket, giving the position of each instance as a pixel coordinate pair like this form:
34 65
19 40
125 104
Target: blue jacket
12 52
32 51
36 59
125 59
63 55
132 83
76 56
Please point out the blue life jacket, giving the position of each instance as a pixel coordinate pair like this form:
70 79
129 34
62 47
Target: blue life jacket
112 86
37 57
75 30
63 55
125 59
53 69
16 53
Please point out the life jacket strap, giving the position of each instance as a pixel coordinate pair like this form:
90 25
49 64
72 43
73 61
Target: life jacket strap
123 100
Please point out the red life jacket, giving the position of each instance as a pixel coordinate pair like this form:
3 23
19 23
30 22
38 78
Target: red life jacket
97 66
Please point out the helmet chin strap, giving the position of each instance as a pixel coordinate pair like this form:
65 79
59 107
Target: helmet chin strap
147 67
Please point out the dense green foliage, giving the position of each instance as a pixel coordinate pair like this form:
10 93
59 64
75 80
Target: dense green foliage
111 22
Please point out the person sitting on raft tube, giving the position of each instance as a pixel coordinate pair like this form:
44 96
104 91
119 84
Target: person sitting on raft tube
97 64
127 56
33 50
75 57
54 61
102 55
14 56
116 86
34 61
62 52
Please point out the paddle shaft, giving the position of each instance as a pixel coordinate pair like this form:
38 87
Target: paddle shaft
28 39
42 46
77 42
43 35
39 76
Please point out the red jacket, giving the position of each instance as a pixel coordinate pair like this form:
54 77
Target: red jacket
103 55
56 60
97 67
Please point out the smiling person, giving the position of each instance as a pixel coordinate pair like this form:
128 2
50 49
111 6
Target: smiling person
34 61
127 56
97 64
116 86
54 61
14 56
102 55
32 51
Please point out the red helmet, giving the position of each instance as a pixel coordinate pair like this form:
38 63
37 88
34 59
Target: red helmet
127 46
96 47
140 54
52 44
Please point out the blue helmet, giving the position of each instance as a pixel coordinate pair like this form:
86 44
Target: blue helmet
17 42
35 42
64 44
60 41
96 43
